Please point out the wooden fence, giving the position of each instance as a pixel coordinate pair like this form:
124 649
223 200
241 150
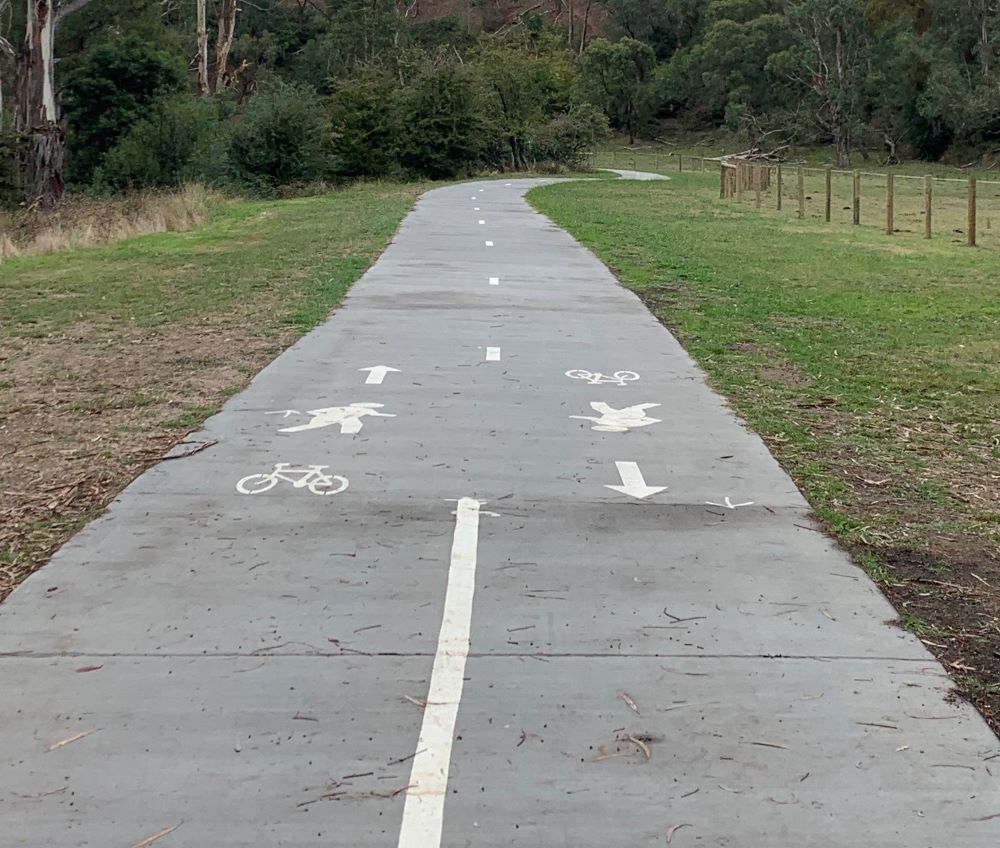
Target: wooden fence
877 191
960 209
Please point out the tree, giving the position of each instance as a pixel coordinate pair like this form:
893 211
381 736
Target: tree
618 74
281 139
116 85
365 131
828 60
524 89
441 123
36 119
226 11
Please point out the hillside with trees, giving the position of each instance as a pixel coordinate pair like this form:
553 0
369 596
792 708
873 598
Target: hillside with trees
105 95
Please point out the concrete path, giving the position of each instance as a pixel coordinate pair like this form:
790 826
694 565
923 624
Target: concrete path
643 176
565 599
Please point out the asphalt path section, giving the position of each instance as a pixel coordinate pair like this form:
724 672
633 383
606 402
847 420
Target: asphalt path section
481 561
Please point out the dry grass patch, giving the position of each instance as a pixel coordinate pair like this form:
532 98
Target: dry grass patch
88 221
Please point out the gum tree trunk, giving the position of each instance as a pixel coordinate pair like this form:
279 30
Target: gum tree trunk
224 43
203 88
43 138
37 122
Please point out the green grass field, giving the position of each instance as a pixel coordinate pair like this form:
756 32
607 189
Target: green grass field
870 364
301 253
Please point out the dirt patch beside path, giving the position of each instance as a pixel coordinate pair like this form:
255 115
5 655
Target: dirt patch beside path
83 413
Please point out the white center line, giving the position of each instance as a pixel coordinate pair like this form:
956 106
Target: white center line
492 354
475 208
489 244
494 281
481 222
423 811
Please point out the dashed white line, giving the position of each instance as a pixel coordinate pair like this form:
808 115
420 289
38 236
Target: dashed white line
489 244
492 354
494 281
423 810
481 222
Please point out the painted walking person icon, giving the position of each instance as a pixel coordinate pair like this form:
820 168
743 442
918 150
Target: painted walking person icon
348 417
613 420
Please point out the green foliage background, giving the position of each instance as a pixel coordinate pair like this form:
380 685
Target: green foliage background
346 89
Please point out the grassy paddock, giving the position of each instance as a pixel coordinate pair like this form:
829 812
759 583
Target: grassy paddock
109 355
870 365
949 207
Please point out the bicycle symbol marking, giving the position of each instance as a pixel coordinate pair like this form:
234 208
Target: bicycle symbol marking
312 477
596 378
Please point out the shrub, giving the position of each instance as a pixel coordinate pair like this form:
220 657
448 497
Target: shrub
281 139
567 138
163 150
111 89
365 130
440 126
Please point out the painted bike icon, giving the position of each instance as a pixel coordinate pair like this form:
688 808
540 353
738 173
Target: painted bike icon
312 477
619 378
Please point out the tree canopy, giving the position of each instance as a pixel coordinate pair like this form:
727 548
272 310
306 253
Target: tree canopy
153 92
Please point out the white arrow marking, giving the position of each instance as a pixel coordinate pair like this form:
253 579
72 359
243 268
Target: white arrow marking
376 374
729 504
494 281
423 810
633 483
492 354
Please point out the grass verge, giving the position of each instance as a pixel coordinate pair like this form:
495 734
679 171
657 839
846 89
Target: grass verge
869 364
109 355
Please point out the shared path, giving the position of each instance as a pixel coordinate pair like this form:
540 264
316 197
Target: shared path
481 561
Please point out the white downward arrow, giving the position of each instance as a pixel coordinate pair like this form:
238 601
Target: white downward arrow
376 374
633 483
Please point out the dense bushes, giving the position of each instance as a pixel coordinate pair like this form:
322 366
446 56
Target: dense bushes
371 100
110 90
166 148
281 138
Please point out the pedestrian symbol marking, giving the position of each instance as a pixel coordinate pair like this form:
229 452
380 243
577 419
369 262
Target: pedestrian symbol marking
613 420
348 417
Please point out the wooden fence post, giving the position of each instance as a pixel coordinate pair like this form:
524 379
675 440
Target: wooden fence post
856 204
739 182
890 199
722 181
680 163
928 202
802 193
972 211
829 193
757 180
778 187
657 158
